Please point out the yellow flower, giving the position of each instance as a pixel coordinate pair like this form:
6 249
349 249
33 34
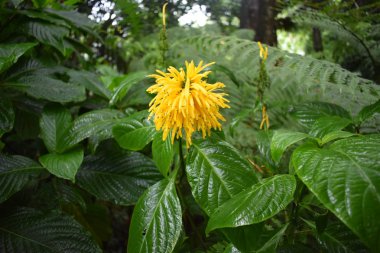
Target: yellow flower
263 51
184 101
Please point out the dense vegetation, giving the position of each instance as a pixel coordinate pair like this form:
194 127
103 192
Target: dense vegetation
295 168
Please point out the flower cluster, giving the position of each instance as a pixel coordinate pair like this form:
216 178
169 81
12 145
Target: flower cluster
184 101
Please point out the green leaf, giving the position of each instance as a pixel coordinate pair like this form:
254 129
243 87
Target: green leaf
10 53
78 20
368 111
328 124
337 238
216 172
282 139
16 172
49 34
246 238
156 220
256 204
124 83
97 122
308 113
345 177
271 244
26 124
117 176
69 194
89 80
54 124
231 249
64 165
163 152
7 116
46 87
335 135
134 134
40 3
32 231
255 238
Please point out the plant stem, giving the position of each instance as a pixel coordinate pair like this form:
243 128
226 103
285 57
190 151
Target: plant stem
186 213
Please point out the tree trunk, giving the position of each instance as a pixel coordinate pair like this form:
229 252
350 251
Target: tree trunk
317 40
259 15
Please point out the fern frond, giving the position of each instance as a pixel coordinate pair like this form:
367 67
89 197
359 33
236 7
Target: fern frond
309 77
313 18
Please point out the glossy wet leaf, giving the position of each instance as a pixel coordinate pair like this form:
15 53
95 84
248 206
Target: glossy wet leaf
163 152
345 177
134 134
16 172
10 53
335 135
117 176
307 113
96 122
216 172
156 220
32 231
64 165
282 139
328 124
368 111
256 204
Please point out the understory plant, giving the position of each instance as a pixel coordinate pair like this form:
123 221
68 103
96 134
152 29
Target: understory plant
252 149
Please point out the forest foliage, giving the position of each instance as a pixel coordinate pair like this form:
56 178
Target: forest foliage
295 168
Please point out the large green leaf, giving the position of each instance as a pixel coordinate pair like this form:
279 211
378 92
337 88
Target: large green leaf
337 238
282 139
64 165
216 172
255 238
124 83
327 124
54 123
9 53
77 20
7 116
368 111
46 87
134 134
49 34
97 122
15 173
345 177
90 80
231 249
308 113
32 231
156 220
117 176
256 204
335 135
163 151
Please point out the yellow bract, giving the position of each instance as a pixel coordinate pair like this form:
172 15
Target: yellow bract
263 51
164 14
185 101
